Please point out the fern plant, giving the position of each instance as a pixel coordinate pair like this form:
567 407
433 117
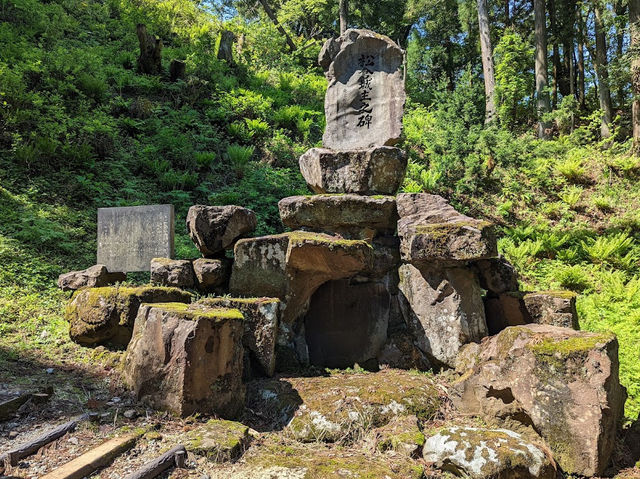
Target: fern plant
239 156
612 249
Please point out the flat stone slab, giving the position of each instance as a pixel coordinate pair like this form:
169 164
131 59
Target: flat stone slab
218 440
431 230
129 237
365 98
187 361
351 216
261 318
373 171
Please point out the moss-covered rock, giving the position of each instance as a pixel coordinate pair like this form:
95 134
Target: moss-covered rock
487 454
343 406
106 315
557 308
562 382
402 434
187 361
291 460
351 216
219 440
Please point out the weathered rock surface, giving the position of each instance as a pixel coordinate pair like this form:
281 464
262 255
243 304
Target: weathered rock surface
497 275
557 308
402 434
562 382
350 216
487 454
291 266
172 272
291 460
401 352
187 361
218 440
107 315
261 317
431 230
365 98
343 406
443 310
94 277
347 323
212 275
373 171
216 228
504 310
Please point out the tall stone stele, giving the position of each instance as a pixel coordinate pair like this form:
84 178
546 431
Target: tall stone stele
364 105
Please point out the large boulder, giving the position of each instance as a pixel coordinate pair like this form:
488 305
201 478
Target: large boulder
365 98
443 310
187 361
350 216
337 310
563 383
487 454
291 266
106 315
431 230
212 275
261 318
94 277
214 229
342 406
373 171
172 272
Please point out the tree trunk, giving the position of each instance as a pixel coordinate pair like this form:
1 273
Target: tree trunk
150 59
507 15
542 95
555 56
487 62
344 16
621 9
634 28
604 94
225 50
271 14
581 72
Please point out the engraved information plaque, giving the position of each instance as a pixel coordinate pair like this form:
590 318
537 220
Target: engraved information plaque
129 237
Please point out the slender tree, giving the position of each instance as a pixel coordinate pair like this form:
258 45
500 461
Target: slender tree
581 70
274 18
344 16
634 27
487 62
542 95
602 72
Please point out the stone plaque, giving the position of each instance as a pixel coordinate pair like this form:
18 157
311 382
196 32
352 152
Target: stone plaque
365 98
129 237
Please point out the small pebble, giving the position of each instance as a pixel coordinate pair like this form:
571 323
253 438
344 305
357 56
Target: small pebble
13 434
50 370
130 413
116 400
74 441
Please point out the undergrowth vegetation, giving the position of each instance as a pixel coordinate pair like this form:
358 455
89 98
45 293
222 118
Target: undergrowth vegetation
80 129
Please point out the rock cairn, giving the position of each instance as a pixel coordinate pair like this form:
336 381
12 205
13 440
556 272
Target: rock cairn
367 278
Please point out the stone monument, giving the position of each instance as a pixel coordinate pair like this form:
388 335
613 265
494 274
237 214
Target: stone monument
130 237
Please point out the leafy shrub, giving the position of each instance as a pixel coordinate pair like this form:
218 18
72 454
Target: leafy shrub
239 156
571 195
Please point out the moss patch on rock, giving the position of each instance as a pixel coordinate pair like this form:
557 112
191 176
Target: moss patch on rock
219 440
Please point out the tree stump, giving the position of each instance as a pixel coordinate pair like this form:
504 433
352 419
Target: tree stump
177 70
225 51
150 59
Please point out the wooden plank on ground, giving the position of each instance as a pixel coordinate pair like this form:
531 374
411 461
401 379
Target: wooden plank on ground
94 459
13 457
171 458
